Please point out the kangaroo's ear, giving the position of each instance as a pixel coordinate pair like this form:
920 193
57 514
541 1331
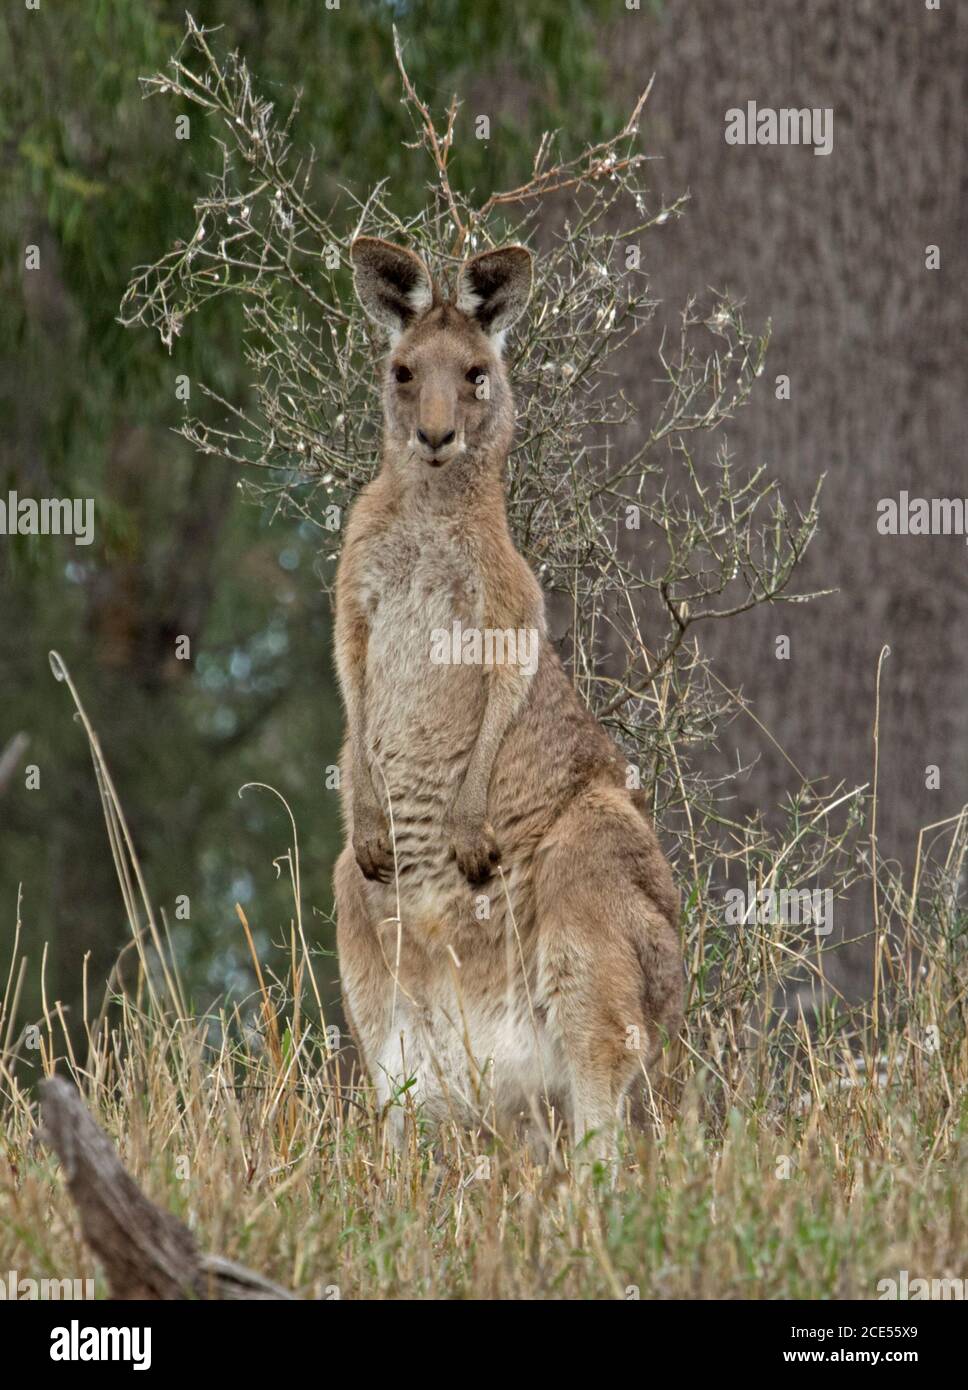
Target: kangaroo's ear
392 284
494 287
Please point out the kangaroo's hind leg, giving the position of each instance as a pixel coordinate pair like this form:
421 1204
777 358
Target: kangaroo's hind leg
387 1019
610 962
367 980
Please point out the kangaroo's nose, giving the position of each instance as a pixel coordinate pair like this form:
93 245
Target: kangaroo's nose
436 441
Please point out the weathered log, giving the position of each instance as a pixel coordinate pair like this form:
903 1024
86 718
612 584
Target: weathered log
146 1252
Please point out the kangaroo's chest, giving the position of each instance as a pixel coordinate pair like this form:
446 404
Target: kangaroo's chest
417 589
415 579
422 707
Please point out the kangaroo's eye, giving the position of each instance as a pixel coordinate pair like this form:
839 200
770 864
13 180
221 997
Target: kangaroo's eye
475 374
402 374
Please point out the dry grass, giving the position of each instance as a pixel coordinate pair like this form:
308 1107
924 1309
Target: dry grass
274 1162
796 1154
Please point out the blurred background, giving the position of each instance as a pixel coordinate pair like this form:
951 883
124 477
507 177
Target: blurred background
832 249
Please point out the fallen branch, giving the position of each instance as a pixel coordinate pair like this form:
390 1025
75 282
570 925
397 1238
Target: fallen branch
146 1252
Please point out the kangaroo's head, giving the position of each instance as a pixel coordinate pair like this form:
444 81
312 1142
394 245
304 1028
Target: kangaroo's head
446 395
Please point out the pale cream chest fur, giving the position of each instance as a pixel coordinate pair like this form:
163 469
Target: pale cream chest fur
421 714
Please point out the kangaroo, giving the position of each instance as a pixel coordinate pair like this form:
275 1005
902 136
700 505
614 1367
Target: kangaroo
506 921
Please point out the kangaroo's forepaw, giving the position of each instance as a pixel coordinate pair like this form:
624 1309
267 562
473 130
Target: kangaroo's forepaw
373 850
476 852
